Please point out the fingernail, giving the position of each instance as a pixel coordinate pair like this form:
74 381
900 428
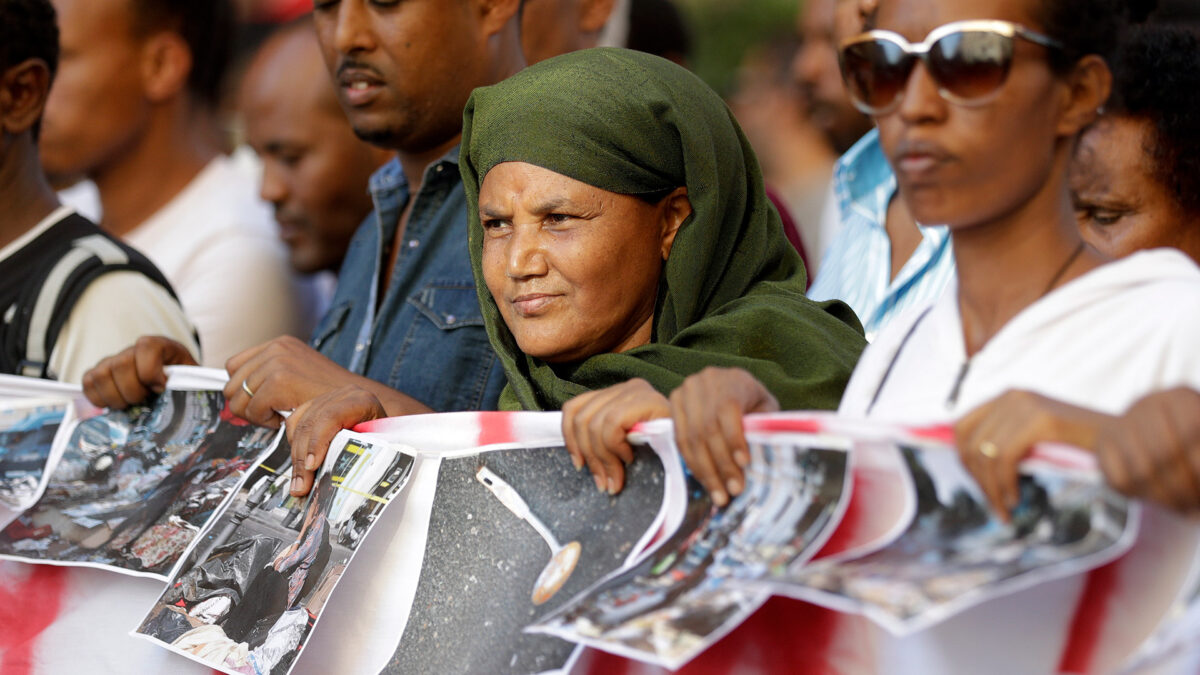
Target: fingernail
733 486
720 498
578 462
599 483
297 483
310 462
612 486
742 458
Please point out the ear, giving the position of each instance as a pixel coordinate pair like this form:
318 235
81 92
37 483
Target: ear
494 15
593 14
166 65
675 209
1089 85
23 92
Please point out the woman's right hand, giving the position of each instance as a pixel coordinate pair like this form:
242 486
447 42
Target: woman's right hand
595 425
707 410
311 428
1153 450
129 377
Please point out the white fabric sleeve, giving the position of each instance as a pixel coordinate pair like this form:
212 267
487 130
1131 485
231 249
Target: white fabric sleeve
111 314
241 292
830 224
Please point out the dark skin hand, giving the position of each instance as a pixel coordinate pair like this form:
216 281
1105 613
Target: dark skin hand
128 378
1012 423
1153 450
282 373
313 426
285 372
595 425
707 410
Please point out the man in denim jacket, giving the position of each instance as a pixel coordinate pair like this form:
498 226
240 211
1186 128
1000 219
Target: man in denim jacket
405 322
405 314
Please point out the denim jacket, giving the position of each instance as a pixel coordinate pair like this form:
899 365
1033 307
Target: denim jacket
427 337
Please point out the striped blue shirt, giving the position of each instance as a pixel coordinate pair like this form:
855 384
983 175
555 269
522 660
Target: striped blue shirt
858 264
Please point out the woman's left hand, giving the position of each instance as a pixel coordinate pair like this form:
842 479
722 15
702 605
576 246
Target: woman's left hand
312 427
993 439
595 425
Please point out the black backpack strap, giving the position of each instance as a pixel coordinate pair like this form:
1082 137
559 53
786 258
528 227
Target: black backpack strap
89 257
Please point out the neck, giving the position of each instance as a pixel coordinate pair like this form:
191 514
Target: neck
25 196
1009 263
178 143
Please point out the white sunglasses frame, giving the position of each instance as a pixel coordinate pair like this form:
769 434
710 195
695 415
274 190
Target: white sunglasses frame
921 50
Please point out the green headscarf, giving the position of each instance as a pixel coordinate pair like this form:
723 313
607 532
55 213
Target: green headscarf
732 289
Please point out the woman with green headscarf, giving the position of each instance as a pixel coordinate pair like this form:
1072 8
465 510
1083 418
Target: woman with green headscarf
622 241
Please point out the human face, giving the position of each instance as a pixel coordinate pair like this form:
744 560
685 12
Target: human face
822 26
962 166
403 69
573 269
1120 203
315 170
97 108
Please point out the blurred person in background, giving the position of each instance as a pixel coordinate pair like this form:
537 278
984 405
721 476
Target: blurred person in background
93 295
315 170
820 24
133 109
793 153
880 261
553 27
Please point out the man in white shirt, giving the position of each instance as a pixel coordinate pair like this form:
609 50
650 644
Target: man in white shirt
134 110
69 294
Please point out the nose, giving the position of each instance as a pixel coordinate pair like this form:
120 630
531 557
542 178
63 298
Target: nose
274 187
921 101
354 31
525 254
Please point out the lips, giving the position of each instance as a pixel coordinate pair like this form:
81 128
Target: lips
358 84
533 304
917 159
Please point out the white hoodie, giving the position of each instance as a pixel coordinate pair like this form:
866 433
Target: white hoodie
1101 341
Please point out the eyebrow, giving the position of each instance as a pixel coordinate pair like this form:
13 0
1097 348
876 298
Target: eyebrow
492 212
552 204
548 205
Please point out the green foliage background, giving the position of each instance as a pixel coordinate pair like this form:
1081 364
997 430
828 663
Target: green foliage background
722 30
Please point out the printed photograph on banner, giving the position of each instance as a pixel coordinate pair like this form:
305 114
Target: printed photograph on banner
133 489
957 553
27 431
696 586
513 534
248 595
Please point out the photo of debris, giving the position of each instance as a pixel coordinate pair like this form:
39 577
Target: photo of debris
133 489
27 431
248 595
514 534
957 553
699 584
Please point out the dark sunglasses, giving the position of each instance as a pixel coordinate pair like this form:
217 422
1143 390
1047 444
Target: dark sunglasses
968 60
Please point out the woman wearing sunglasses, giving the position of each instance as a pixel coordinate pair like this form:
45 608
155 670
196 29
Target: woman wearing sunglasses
979 105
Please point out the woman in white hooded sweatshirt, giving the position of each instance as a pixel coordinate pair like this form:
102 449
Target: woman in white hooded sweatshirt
985 150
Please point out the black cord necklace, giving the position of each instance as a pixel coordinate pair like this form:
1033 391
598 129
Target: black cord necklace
966 366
